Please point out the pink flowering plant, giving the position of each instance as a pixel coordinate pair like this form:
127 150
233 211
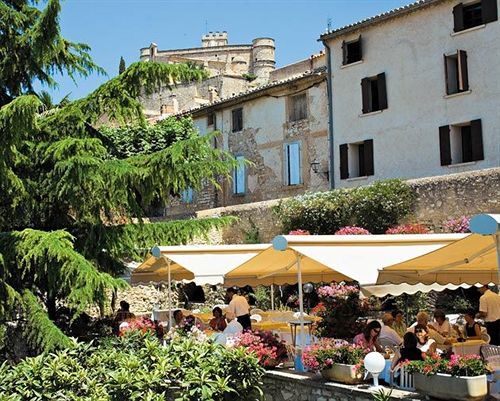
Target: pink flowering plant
141 324
456 365
299 232
352 230
340 310
413 228
267 346
327 352
460 225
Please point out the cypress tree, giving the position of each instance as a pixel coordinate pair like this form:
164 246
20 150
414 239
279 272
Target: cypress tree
122 66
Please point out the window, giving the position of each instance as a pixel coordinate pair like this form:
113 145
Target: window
211 119
456 74
351 51
356 159
293 163
187 195
239 176
466 16
374 94
298 107
461 143
237 120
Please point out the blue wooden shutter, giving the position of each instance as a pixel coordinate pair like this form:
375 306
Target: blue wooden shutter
292 156
187 195
239 178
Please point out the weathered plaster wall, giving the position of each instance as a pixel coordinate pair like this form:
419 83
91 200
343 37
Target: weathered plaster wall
410 50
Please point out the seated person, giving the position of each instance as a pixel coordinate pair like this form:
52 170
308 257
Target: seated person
178 318
388 336
218 323
122 315
440 324
423 320
189 320
399 326
472 329
425 344
409 352
368 339
233 327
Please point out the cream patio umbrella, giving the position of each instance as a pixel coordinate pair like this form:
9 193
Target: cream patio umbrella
205 264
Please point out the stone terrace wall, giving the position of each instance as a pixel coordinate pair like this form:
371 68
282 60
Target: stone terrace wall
284 386
438 199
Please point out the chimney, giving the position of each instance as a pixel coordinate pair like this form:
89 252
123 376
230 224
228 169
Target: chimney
213 95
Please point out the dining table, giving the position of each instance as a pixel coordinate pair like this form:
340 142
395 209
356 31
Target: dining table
468 347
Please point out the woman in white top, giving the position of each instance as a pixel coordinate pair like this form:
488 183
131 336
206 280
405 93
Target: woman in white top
424 343
441 325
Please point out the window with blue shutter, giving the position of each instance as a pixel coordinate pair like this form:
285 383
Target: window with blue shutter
293 164
239 176
187 195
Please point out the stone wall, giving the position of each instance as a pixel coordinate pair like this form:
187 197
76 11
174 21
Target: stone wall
284 386
438 199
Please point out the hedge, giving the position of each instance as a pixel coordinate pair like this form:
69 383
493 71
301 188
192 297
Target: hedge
375 207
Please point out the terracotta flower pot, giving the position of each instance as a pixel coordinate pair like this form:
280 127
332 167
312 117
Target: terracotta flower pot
342 373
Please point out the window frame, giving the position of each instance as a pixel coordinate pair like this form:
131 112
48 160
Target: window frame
364 155
237 122
292 118
451 143
367 99
456 81
345 51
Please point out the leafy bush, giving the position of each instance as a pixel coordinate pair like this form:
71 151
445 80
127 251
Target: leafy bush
408 229
352 230
339 308
327 351
265 345
457 365
375 207
135 367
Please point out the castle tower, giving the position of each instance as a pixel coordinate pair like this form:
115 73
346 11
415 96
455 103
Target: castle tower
263 60
213 39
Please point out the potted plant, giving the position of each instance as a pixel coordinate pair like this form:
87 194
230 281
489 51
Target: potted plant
462 377
337 360
270 350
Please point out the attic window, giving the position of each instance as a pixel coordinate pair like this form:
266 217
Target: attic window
351 51
468 16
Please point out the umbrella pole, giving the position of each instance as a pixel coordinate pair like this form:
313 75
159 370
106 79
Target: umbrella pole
497 237
272 296
169 296
301 302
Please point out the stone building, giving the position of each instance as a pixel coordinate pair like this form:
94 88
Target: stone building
232 68
416 92
280 128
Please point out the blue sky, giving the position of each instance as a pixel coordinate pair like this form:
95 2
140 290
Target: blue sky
115 28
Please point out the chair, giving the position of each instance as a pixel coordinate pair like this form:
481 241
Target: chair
405 379
256 317
489 351
256 311
485 337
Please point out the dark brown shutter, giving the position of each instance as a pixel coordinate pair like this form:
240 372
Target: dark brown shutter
360 48
477 140
382 91
235 121
446 83
369 167
344 53
458 17
240 119
344 166
463 79
444 145
365 94
489 10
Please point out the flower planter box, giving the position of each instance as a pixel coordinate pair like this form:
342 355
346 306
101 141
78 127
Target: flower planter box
447 387
342 373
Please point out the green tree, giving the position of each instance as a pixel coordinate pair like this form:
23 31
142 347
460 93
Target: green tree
72 206
121 67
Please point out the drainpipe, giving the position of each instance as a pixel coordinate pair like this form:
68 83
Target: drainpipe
331 149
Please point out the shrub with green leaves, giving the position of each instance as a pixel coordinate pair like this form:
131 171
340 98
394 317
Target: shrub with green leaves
135 367
375 207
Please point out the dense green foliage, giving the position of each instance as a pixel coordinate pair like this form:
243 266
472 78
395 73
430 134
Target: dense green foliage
73 198
375 207
135 367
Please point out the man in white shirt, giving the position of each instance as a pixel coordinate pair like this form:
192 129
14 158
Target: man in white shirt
489 310
423 319
388 336
238 305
